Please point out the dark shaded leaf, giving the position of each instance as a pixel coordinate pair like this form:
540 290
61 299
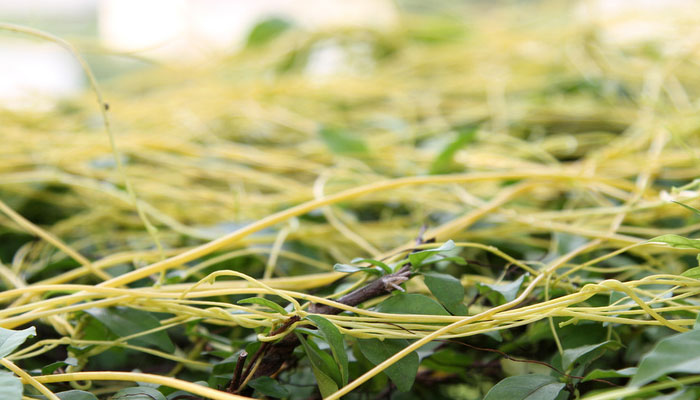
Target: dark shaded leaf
448 290
124 321
269 387
526 387
334 338
585 354
51 368
411 303
320 367
403 372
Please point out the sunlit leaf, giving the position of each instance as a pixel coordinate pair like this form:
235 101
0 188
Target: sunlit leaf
417 258
10 339
610 373
387 269
677 241
347 268
677 353
505 291
341 141
11 386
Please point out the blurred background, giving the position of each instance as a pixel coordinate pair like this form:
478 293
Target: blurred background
227 111
120 36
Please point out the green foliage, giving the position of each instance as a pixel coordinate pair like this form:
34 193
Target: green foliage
11 386
501 293
402 372
267 30
411 303
10 339
332 336
269 387
124 321
443 163
448 290
679 353
138 393
342 142
526 387
327 373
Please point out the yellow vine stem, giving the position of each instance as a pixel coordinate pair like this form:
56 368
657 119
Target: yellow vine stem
427 339
32 228
102 105
26 378
141 377
233 237
644 390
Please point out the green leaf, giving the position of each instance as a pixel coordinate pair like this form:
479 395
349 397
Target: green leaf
264 302
692 273
377 263
691 208
585 354
74 395
335 340
506 292
326 384
677 353
411 303
11 386
51 368
342 142
266 31
138 393
443 163
448 290
10 340
676 241
124 321
347 268
610 373
402 372
269 387
526 387
417 258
